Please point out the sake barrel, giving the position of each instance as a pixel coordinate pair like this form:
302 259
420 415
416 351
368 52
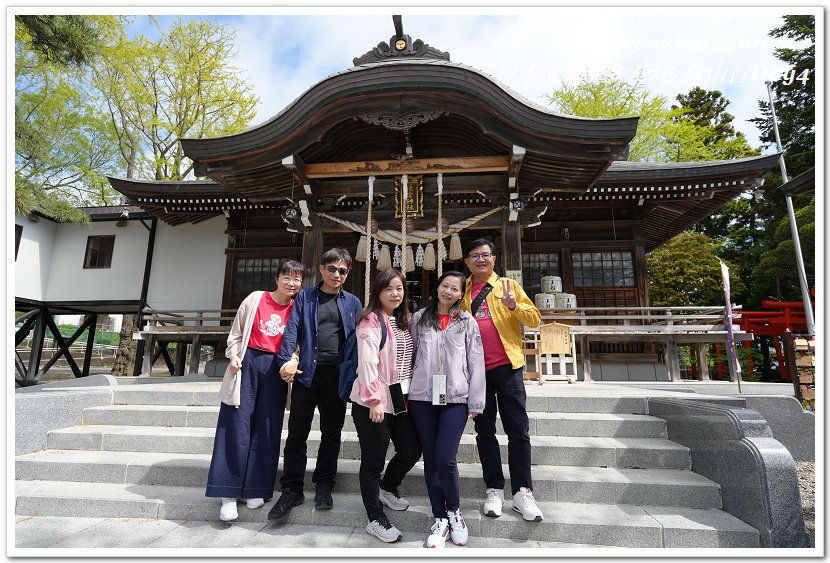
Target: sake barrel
545 301
565 301
551 284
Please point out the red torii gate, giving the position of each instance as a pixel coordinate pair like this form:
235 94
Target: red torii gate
778 317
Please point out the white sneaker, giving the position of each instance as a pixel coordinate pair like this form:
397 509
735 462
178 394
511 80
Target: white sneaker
525 504
458 528
253 503
439 532
393 500
494 502
228 511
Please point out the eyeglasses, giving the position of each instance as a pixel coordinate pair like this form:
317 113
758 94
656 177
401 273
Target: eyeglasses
331 268
477 255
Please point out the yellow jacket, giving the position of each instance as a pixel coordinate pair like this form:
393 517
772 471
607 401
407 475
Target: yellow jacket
507 321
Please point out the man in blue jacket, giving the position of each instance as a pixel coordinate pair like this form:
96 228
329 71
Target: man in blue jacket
320 321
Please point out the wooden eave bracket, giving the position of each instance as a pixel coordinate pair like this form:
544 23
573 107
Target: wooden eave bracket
294 164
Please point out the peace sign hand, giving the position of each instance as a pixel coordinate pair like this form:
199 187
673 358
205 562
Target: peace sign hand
508 297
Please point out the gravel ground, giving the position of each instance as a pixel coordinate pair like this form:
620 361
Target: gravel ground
807 485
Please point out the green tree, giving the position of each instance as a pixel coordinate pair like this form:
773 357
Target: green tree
776 274
65 40
63 147
609 96
794 95
685 272
179 86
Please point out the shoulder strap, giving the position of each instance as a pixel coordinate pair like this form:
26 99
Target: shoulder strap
480 298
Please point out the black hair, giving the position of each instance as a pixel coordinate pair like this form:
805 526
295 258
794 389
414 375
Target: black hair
381 282
336 255
429 317
480 242
289 267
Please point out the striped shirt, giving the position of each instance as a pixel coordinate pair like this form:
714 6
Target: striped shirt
403 354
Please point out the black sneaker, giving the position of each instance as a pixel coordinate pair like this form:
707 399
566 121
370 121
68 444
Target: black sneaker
322 499
284 504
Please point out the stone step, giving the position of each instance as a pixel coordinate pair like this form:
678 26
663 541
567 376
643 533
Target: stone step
614 525
136 533
584 400
541 423
547 450
599 485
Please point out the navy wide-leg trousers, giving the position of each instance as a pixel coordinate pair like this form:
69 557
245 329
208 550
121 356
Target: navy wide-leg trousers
247 443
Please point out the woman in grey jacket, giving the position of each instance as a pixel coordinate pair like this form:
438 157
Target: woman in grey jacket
447 386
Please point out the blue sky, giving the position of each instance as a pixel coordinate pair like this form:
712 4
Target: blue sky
530 51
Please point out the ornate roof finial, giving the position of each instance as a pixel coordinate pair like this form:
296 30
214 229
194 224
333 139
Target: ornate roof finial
400 45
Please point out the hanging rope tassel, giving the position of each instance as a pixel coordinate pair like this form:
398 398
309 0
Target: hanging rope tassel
429 258
360 254
384 259
419 255
455 247
408 262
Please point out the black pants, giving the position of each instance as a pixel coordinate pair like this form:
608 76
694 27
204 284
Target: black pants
505 392
374 441
322 395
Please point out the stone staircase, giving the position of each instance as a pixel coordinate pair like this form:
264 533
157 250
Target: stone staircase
603 474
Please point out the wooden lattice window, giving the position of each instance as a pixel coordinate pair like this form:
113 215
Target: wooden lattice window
99 251
534 267
603 269
255 274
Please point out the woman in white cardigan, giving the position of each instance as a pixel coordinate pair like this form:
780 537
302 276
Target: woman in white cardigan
252 395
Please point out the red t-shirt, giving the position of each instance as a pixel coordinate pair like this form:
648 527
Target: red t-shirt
494 354
269 324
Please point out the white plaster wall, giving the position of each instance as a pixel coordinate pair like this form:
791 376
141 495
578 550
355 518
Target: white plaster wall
68 279
34 257
188 266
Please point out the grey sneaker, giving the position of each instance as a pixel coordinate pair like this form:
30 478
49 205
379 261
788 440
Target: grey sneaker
393 500
383 530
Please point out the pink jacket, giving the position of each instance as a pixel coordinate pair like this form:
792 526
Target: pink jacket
368 389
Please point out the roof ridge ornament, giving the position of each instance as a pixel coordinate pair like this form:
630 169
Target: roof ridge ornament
400 46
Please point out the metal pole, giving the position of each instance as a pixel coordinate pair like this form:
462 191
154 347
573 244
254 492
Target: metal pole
799 259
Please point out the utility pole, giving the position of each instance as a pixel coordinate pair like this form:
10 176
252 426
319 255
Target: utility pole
799 259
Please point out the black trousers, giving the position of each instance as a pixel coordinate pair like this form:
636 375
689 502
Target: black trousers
322 395
374 442
505 393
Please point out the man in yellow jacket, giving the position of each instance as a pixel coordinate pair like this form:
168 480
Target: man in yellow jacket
500 306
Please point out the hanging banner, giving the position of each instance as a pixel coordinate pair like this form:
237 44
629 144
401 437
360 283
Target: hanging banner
730 337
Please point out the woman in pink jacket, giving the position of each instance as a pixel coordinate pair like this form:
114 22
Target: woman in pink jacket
247 443
379 397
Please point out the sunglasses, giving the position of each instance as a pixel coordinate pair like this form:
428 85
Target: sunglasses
331 268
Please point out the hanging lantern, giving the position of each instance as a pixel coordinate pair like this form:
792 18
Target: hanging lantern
429 258
410 259
455 247
360 253
396 257
384 259
419 255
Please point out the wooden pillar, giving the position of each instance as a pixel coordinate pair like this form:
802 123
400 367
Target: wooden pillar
147 362
181 357
90 343
566 270
511 243
312 251
640 269
195 354
36 350
673 359
585 352
702 362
